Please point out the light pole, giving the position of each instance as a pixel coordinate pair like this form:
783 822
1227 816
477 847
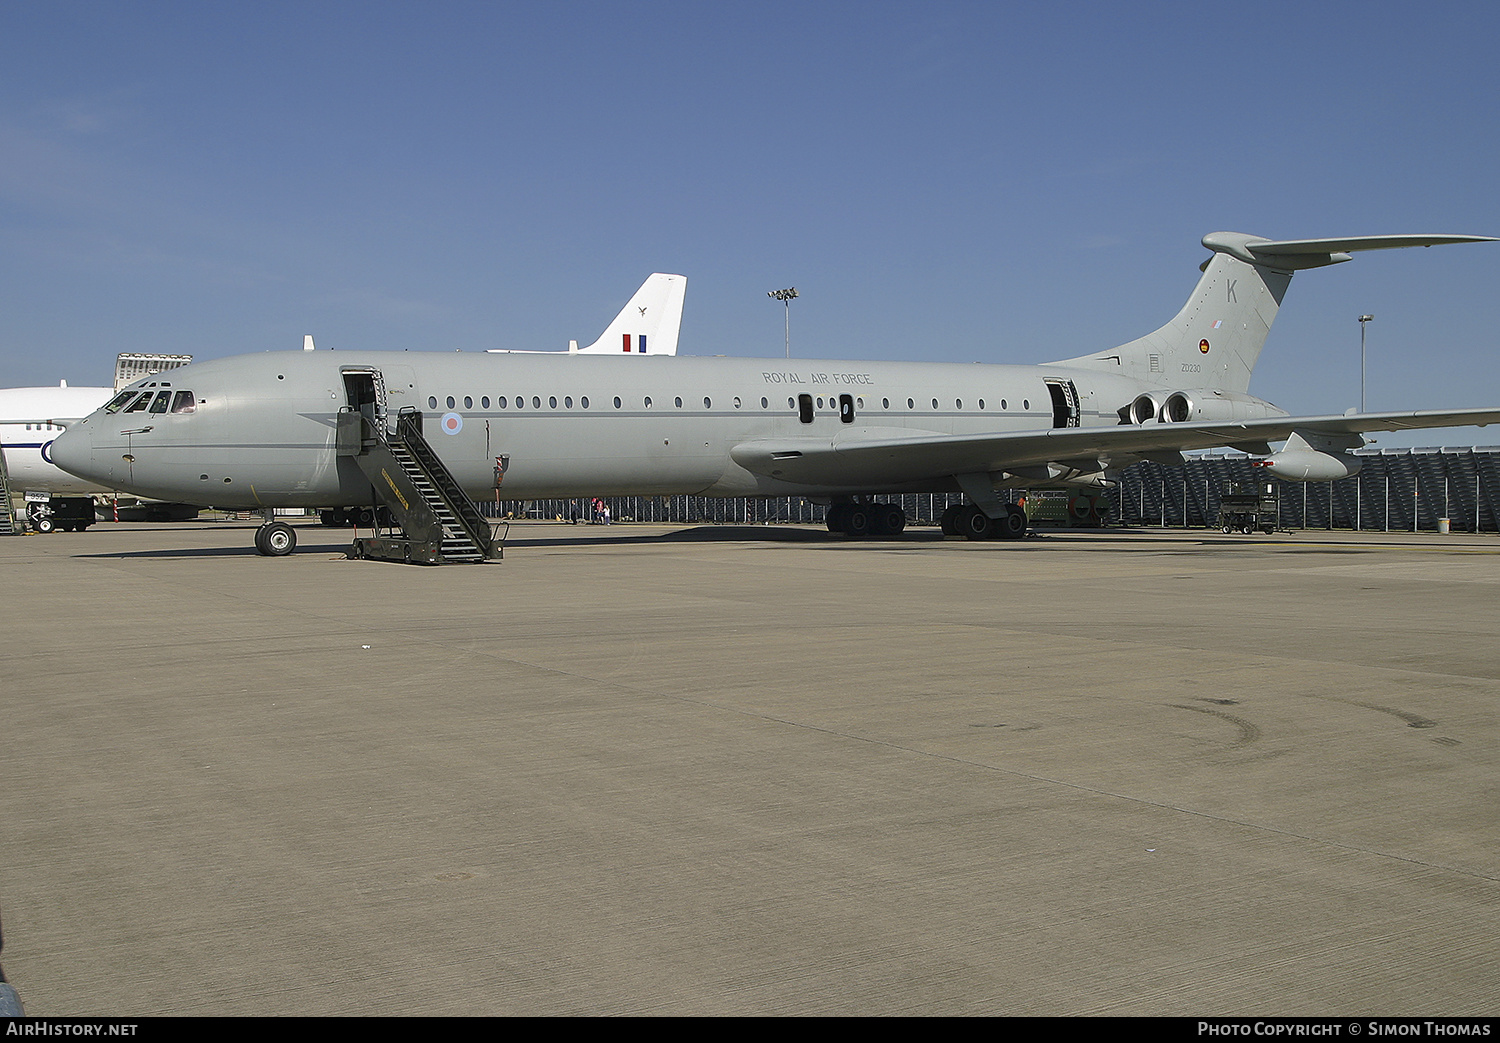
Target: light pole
785 297
1362 320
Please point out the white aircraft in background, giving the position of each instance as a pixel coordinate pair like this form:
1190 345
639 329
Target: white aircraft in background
30 418
341 428
649 323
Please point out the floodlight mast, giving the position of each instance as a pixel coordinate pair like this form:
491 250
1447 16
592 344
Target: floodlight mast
785 297
1362 320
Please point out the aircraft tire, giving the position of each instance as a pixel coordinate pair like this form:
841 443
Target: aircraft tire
1012 526
276 539
857 521
949 521
974 524
834 516
892 519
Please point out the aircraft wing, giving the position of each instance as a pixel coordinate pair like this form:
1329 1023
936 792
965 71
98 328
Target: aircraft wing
882 458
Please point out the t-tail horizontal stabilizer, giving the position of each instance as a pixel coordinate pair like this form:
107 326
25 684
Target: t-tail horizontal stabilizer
1215 340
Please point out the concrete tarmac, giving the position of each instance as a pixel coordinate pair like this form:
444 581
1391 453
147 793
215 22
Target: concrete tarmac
667 770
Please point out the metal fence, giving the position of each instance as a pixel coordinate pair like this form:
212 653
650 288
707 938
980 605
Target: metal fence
1398 490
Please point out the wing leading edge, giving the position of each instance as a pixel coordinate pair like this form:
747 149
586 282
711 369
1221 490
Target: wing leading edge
872 461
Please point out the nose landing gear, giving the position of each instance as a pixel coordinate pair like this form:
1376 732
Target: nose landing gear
275 539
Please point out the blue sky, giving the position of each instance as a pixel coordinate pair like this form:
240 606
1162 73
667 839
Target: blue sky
999 182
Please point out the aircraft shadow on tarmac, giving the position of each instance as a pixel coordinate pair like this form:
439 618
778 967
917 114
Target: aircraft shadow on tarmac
313 541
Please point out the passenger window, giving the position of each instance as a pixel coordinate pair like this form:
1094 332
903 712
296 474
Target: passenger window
468 401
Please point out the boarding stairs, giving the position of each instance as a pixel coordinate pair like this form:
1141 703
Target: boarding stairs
439 523
8 524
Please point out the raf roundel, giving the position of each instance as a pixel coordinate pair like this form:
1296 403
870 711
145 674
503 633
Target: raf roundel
452 423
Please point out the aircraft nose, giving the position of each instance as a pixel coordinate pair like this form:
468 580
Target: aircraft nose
73 451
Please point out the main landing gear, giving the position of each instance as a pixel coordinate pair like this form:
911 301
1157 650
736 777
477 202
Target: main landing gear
858 520
972 523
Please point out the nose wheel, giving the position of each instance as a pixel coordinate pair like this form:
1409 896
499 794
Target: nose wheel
275 539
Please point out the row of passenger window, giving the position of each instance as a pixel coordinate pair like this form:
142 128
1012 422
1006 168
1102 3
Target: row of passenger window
519 402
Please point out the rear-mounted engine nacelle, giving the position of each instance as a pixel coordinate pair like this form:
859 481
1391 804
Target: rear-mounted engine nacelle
1144 409
1205 405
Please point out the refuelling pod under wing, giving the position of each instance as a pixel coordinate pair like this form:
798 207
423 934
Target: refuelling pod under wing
1312 457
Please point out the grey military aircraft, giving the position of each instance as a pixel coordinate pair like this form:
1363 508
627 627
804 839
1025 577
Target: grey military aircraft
295 429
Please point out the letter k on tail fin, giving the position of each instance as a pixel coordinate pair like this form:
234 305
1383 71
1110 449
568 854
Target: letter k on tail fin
1221 329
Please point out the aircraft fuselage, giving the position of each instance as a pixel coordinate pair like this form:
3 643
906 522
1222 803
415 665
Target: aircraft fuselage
261 432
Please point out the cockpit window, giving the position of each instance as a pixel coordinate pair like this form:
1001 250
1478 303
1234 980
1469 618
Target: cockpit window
139 404
184 402
163 398
119 400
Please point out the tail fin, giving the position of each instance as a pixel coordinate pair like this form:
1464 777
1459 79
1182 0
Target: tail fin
1223 326
648 324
